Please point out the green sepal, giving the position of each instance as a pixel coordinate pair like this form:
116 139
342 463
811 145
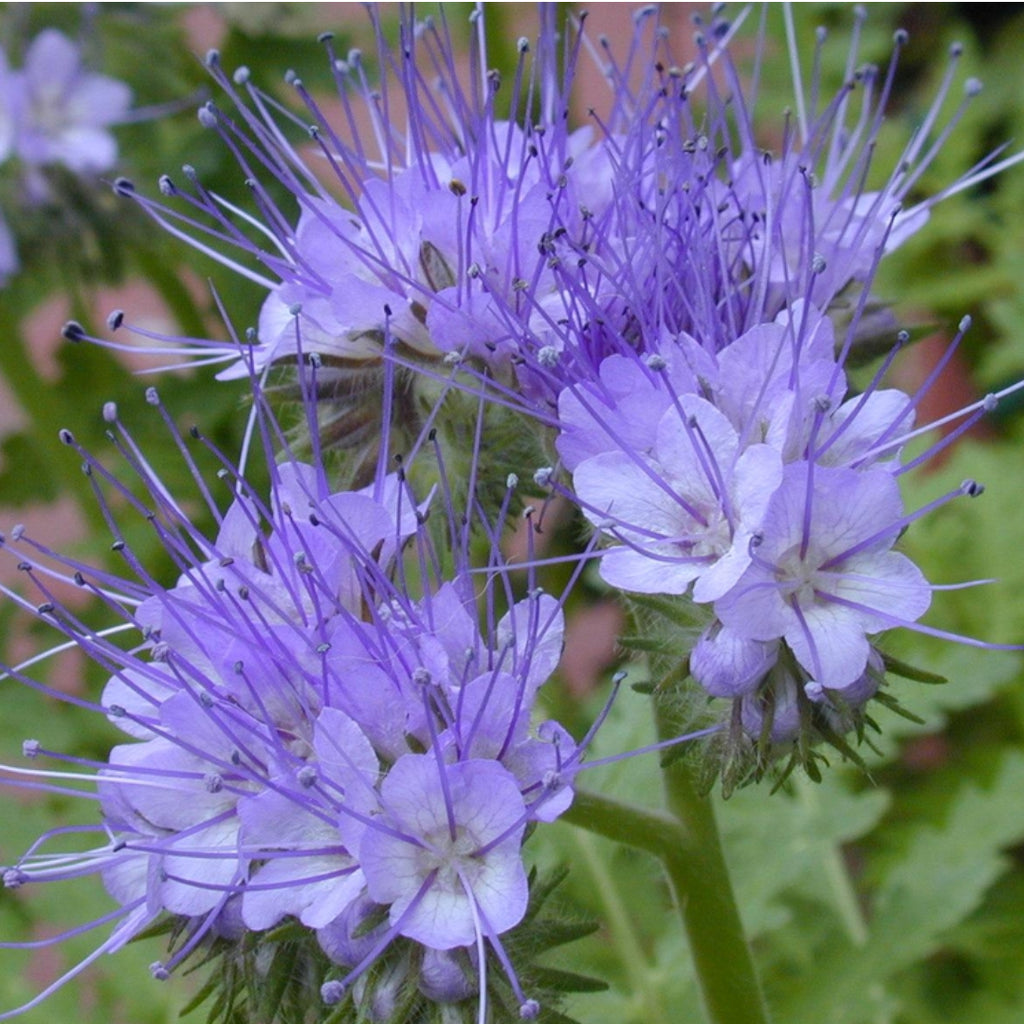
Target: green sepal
165 925
890 702
556 980
912 672
276 976
550 934
202 994
647 645
680 611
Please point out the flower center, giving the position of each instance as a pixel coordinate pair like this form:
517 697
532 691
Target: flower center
800 577
50 111
452 859
713 540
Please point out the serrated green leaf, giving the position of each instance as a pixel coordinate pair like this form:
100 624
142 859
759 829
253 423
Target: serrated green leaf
790 840
939 880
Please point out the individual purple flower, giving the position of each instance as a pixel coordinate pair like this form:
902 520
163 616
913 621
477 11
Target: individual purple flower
823 574
621 408
773 712
314 876
688 512
445 855
492 719
727 664
54 112
176 796
784 383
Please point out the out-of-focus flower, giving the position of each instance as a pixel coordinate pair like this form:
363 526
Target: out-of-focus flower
8 252
61 111
54 113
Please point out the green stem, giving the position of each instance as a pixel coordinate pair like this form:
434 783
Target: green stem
653 831
703 889
689 847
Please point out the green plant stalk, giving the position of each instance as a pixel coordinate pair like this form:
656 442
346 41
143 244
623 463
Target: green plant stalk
642 829
688 846
704 894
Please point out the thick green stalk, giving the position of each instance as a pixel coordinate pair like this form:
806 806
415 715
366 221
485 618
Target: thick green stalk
707 904
689 848
642 829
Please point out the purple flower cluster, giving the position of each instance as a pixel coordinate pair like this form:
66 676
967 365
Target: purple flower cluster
678 303
448 237
717 443
55 111
319 729
316 729
753 481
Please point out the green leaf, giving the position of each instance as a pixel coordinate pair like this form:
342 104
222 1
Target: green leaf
791 841
938 881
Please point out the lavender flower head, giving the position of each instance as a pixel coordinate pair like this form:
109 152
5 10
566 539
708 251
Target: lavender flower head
433 216
316 730
720 447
